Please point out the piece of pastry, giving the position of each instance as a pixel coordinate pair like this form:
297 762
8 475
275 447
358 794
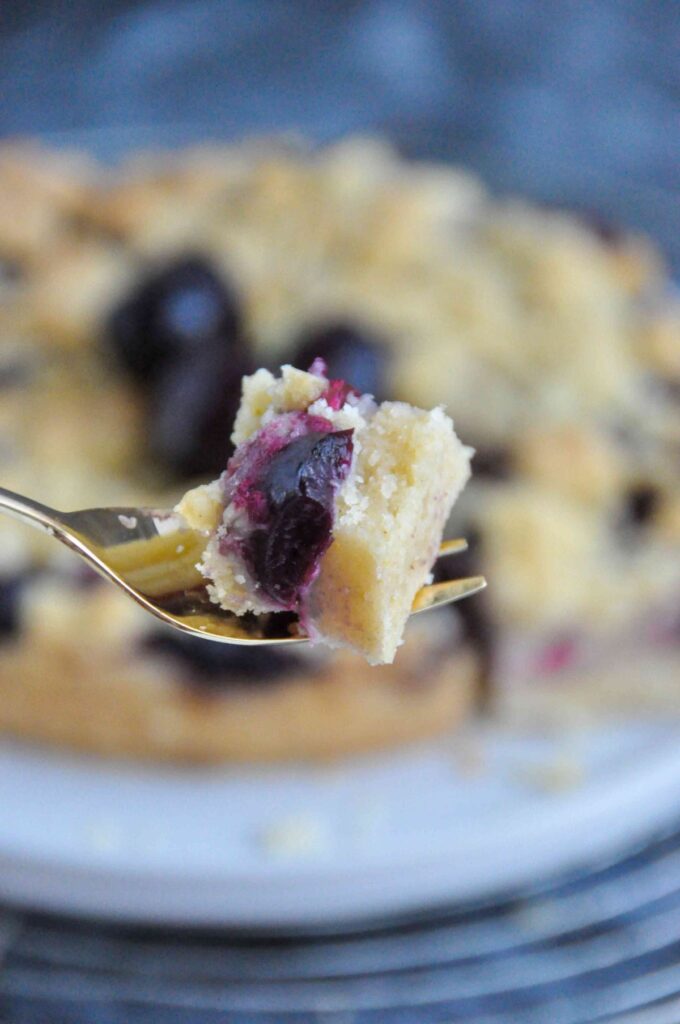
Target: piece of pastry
331 507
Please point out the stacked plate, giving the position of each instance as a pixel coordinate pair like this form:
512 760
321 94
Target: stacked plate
289 864
599 945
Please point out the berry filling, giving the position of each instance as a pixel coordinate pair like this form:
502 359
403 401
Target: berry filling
281 486
246 470
337 393
641 503
311 467
284 556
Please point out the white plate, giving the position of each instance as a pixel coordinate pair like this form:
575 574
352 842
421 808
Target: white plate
307 847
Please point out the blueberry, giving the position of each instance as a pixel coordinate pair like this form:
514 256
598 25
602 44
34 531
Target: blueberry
192 410
283 556
11 272
15 374
351 353
173 313
641 503
311 466
299 486
10 610
218 666
493 462
180 336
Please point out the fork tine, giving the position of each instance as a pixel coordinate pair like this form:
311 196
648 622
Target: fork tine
446 592
452 547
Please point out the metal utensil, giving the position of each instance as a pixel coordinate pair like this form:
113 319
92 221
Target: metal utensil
151 554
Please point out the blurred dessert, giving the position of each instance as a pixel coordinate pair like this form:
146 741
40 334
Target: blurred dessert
331 507
128 293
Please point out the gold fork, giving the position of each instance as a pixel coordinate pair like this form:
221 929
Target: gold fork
151 554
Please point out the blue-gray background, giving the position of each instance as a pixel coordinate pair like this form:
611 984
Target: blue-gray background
568 100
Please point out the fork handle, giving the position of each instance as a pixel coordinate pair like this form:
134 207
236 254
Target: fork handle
29 511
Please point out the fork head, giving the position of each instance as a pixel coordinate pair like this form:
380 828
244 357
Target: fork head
152 555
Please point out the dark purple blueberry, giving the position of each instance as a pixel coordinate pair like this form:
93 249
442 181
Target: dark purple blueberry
312 466
175 312
11 272
641 503
10 606
351 354
218 666
192 410
299 484
492 462
282 557
15 374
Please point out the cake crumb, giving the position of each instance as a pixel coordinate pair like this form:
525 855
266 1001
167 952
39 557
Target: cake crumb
165 525
104 836
388 485
295 835
129 522
564 772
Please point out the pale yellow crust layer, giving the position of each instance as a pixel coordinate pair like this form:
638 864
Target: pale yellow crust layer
412 468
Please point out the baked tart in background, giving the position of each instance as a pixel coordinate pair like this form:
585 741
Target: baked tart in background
128 293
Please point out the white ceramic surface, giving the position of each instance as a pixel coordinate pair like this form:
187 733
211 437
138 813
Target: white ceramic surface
308 847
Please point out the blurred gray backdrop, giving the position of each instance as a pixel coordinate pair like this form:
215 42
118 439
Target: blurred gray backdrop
572 101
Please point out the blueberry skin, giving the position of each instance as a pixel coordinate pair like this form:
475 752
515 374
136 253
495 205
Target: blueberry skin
283 556
311 466
640 505
172 314
351 353
299 486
